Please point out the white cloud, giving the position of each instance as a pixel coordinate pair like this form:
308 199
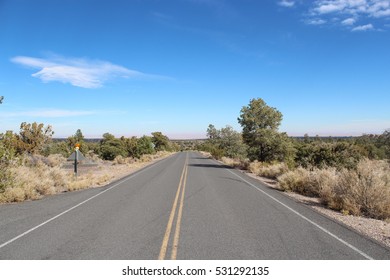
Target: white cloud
348 21
77 72
316 21
363 27
380 9
328 8
286 3
371 8
350 10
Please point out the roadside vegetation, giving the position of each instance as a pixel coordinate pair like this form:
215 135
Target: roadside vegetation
33 164
350 175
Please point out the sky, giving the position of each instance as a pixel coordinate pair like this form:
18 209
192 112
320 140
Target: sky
132 67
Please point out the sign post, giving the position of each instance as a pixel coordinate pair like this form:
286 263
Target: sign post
76 157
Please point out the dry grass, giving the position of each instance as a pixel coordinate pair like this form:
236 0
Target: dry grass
236 163
364 191
33 182
38 176
268 170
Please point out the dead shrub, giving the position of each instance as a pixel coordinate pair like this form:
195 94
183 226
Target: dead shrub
242 164
56 160
119 160
34 179
298 180
13 195
91 156
268 170
364 191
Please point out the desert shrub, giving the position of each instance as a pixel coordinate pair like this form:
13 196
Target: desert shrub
111 147
6 177
92 156
32 138
33 177
361 191
13 195
119 160
364 191
268 170
323 182
111 151
122 160
56 160
298 181
319 154
216 152
317 182
236 163
146 158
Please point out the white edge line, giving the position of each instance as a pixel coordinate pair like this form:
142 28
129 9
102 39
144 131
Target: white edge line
306 219
78 205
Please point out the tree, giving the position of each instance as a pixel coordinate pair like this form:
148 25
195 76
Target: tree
8 145
212 133
145 146
224 142
33 137
384 142
260 124
77 138
111 147
161 142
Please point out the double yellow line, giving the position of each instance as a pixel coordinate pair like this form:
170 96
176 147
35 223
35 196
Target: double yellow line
179 209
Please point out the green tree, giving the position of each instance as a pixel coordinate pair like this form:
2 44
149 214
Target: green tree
161 142
260 124
384 143
33 137
132 147
111 147
145 146
321 154
77 138
224 142
212 134
8 146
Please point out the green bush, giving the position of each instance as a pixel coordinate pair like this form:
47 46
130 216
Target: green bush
320 154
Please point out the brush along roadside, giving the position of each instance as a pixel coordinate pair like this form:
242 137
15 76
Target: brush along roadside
35 177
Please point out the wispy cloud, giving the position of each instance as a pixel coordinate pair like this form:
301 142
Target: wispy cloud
286 3
348 21
316 21
47 113
363 27
77 72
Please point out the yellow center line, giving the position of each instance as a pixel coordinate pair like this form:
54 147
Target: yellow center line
164 246
178 223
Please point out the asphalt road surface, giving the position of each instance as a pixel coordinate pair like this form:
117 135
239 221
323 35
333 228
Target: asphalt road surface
183 207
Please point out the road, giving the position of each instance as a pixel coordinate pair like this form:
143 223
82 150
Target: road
183 207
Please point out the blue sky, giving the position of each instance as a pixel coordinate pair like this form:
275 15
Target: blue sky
132 67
